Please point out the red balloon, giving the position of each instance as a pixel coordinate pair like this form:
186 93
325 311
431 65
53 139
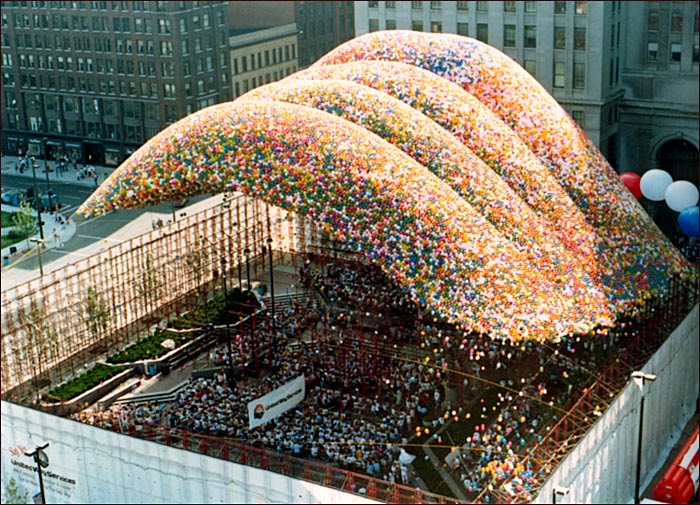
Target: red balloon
632 180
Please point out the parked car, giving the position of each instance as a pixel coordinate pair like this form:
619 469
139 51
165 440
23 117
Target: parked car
12 198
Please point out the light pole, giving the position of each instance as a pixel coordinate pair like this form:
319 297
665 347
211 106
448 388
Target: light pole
639 379
39 242
37 202
46 170
559 491
232 380
42 461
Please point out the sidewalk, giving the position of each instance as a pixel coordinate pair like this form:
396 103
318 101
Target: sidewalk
10 166
55 235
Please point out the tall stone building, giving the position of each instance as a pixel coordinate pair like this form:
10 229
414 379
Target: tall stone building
627 72
95 80
322 27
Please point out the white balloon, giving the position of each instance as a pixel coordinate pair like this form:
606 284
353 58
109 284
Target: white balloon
654 183
681 194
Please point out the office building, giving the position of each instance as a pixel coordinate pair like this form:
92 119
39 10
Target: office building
322 27
659 113
262 56
95 80
627 72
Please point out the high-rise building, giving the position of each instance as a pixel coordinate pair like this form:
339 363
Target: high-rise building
258 14
322 27
659 116
627 72
95 80
262 56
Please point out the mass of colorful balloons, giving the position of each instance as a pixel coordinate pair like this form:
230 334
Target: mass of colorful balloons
447 165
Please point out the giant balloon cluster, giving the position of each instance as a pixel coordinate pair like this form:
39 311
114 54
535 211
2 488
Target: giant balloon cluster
499 220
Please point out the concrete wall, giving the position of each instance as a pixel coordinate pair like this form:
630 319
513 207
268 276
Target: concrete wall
601 469
91 465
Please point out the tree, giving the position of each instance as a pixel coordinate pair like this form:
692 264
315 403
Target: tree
97 313
24 221
195 260
13 494
41 336
150 282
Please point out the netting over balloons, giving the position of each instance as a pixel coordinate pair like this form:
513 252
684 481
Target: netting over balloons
426 181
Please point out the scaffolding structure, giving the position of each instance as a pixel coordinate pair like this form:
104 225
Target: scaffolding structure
57 324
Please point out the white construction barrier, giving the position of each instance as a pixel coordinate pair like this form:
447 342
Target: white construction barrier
602 467
92 465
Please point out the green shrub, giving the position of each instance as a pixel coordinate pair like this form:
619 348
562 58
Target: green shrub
148 348
88 380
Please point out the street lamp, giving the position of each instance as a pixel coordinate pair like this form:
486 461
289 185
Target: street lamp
42 461
36 199
44 145
639 379
39 242
559 491
232 380
273 349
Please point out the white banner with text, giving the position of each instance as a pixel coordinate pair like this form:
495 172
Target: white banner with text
277 402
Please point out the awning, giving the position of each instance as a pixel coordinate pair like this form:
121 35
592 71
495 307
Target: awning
112 150
56 143
74 144
35 141
12 138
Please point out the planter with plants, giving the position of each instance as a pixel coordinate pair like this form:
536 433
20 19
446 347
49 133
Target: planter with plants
85 382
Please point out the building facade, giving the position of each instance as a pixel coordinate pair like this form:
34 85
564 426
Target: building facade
659 113
95 80
592 57
262 56
322 27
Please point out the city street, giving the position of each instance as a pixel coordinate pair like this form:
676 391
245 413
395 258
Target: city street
92 235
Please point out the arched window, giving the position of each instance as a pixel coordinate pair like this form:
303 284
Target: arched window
679 158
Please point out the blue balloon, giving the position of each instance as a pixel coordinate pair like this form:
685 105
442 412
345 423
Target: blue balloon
689 221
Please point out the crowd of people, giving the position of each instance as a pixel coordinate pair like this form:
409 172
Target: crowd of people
375 385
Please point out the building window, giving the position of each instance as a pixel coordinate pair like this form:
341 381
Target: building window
531 67
373 4
653 21
391 24
559 74
436 27
676 22
652 51
183 26
416 26
462 6
581 6
530 36
373 25
508 6
676 52
508 35
416 4
482 6
435 5
390 5
530 6
580 39
696 51
482 32
559 37
579 117
579 75
463 29
559 7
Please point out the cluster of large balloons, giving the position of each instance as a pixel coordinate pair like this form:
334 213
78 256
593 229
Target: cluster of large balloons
681 196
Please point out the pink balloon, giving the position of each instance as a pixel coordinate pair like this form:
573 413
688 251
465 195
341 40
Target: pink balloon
632 181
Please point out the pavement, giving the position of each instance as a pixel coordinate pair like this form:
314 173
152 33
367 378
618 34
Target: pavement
80 238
